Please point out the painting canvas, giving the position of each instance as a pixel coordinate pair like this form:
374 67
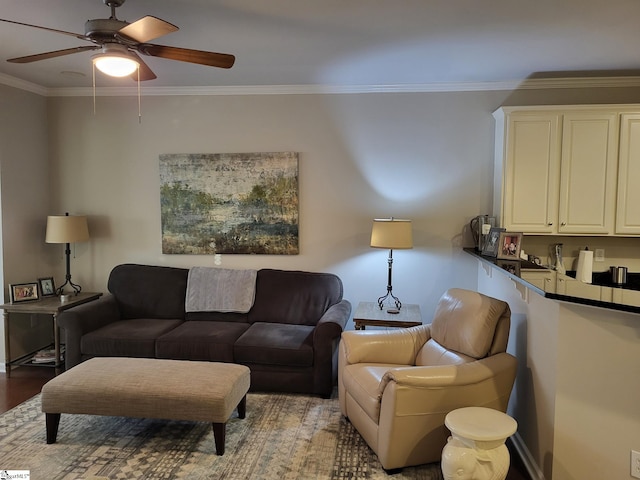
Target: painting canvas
217 203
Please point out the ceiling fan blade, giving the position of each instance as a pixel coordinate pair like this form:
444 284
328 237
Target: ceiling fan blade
145 72
57 53
77 35
147 29
211 59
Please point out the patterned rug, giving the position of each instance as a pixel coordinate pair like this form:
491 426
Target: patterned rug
282 437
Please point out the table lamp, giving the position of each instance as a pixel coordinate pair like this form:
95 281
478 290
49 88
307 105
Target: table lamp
67 229
391 233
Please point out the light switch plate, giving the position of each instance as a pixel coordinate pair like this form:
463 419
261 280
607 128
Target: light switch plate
599 256
635 464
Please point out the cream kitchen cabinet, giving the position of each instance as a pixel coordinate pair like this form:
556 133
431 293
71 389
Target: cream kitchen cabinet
555 170
528 166
571 287
588 173
628 211
626 297
543 279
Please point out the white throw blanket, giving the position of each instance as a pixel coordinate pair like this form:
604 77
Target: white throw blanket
212 289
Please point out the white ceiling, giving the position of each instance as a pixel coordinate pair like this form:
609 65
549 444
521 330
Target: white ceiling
340 42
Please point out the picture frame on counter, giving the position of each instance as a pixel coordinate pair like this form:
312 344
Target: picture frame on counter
490 248
511 266
23 292
47 286
509 245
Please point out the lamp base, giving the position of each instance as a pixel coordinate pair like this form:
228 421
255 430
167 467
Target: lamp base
76 288
390 296
396 300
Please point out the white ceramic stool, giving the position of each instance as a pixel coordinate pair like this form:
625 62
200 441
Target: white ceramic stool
476 450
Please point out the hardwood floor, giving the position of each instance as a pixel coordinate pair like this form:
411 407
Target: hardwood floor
26 382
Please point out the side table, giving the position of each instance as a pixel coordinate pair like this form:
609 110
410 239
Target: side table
46 306
476 446
369 313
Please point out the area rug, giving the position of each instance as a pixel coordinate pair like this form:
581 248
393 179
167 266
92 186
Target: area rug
282 437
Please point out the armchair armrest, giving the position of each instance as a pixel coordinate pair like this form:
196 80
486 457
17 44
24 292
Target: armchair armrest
487 381
398 347
435 376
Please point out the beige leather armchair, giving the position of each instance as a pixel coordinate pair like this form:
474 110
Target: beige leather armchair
397 386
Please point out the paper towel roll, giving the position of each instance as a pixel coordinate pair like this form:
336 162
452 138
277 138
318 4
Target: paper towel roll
584 272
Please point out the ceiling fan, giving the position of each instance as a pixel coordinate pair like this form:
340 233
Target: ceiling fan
123 41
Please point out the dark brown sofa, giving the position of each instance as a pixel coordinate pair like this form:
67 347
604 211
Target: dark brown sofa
288 339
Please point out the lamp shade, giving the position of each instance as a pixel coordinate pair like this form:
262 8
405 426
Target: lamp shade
391 233
67 229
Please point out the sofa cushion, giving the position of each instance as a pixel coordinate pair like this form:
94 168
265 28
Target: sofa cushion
126 338
217 317
206 341
275 344
294 297
146 291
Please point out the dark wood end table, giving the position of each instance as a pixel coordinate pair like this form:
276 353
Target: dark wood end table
45 306
369 313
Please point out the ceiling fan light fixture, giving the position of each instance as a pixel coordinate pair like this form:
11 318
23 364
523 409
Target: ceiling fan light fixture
115 61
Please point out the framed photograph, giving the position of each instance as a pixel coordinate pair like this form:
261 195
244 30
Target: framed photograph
511 266
509 245
22 292
490 248
47 286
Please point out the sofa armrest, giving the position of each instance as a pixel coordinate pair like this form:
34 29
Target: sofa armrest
398 347
83 319
91 315
332 323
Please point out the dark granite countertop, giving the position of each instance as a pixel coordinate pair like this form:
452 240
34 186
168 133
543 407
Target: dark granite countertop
515 269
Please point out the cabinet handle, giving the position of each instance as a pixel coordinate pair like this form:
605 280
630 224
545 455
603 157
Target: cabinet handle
550 223
563 224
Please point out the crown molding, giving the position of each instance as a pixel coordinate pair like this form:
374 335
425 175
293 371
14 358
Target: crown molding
23 85
526 84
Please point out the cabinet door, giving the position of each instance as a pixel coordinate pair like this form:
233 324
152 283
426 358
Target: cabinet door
532 172
626 297
628 211
544 280
573 288
588 173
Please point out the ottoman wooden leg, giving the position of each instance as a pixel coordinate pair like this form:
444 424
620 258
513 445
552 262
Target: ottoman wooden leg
242 407
218 436
52 420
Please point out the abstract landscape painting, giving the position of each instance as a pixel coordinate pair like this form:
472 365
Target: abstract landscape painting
245 203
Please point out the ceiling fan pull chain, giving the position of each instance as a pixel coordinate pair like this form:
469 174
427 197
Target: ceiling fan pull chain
139 107
93 69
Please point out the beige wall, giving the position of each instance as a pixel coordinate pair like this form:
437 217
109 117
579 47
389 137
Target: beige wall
25 188
25 195
597 417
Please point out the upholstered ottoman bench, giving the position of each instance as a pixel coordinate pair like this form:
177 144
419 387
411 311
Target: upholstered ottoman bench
149 388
